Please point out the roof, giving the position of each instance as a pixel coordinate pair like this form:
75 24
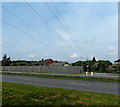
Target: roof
117 60
58 63
45 61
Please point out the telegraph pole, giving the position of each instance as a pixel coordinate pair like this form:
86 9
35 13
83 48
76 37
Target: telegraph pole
87 67
81 65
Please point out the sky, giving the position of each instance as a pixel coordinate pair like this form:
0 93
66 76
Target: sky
64 31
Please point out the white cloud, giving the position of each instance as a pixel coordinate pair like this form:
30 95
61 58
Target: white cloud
75 55
93 33
31 56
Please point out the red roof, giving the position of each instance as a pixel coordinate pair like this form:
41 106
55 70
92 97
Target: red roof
49 62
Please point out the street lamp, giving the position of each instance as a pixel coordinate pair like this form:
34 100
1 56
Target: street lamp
81 65
87 67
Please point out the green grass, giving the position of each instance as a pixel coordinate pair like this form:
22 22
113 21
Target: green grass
64 77
20 94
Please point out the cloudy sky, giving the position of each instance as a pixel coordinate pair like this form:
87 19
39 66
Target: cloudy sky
67 31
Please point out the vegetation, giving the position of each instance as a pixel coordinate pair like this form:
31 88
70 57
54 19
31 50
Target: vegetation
20 94
97 66
94 60
6 60
66 77
88 65
116 67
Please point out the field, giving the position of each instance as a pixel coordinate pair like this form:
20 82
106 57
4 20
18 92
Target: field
19 94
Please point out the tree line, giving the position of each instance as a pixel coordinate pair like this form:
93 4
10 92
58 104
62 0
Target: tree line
97 66
88 65
6 61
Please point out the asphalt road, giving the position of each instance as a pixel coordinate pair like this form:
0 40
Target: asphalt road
103 87
96 75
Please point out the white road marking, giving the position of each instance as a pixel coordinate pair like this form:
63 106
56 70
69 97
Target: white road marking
26 79
78 84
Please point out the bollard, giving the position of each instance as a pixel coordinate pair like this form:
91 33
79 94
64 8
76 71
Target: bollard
86 73
91 73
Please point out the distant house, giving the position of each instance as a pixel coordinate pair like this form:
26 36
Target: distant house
46 62
50 62
117 61
66 65
60 63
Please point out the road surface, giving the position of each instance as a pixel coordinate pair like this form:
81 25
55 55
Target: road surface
103 87
96 75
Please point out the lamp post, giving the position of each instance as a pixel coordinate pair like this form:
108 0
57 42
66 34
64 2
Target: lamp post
87 66
81 65
32 63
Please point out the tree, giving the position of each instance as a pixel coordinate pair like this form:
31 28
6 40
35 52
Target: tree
6 61
94 60
78 63
116 67
5 57
103 65
93 65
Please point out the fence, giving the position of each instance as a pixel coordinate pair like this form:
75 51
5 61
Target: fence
44 69
0 68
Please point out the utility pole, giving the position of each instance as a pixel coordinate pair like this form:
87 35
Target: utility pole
32 63
87 67
81 65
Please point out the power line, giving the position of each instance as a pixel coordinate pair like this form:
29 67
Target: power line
20 30
27 34
28 25
64 25
45 22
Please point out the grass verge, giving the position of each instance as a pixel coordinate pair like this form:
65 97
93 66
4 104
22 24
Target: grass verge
65 77
20 94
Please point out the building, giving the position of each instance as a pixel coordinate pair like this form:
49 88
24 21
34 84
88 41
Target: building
46 62
66 65
60 63
117 61
50 62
